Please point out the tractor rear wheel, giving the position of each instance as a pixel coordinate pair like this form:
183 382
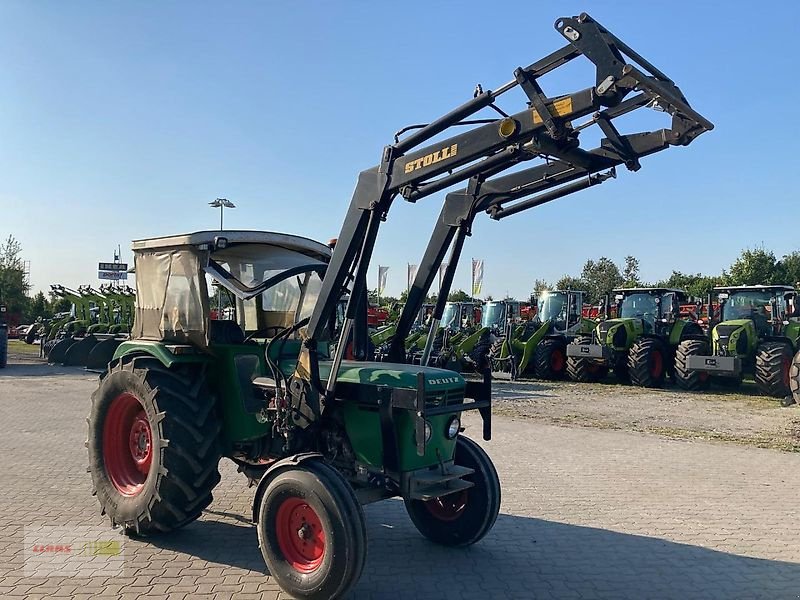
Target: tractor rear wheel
647 363
464 517
153 445
585 370
550 359
691 380
794 378
311 532
773 362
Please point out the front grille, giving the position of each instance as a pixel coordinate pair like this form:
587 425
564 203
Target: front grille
444 397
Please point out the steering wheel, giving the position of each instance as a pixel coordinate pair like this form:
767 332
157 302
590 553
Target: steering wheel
265 332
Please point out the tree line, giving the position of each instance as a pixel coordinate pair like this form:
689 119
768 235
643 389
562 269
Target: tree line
14 288
752 267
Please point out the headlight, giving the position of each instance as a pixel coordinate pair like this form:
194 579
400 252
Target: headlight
428 432
453 427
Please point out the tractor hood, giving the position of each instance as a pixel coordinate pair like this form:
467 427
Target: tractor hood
734 337
394 375
620 333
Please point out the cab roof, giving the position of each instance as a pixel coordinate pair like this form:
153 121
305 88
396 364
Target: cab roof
649 290
270 238
754 288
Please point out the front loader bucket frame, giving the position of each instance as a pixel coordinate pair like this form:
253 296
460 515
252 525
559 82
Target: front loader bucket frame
547 128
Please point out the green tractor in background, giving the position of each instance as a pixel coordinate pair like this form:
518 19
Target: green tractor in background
459 344
638 345
539 347
755 334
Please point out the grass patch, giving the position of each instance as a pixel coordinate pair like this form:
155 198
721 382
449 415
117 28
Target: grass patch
21 348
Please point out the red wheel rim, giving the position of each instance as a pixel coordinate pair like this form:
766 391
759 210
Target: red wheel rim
448 508
301 538
127 444
557 361
656 364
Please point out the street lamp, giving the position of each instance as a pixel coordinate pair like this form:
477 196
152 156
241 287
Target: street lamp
221 204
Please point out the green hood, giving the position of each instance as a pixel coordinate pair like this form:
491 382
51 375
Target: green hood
394 375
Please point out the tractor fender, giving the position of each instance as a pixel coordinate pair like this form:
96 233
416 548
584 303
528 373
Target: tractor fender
274 469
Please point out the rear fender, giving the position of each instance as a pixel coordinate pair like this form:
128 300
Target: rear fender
283 464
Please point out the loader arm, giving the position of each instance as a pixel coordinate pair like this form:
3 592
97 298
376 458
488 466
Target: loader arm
545 129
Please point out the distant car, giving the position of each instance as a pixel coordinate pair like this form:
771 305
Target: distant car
19 332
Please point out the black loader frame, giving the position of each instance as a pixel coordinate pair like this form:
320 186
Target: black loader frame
543 130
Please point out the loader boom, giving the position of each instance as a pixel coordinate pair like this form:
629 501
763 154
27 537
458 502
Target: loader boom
545 129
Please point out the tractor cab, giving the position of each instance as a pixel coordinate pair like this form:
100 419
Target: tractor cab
766 306
458 316
496 314
653 307
562 308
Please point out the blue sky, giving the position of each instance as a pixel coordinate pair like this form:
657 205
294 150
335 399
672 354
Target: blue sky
122 120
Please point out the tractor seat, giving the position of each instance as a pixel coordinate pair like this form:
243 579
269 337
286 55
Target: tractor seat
225 332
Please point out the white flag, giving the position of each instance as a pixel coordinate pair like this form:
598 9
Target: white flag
477 277
412 273
382 279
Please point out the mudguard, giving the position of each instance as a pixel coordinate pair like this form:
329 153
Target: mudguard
284 463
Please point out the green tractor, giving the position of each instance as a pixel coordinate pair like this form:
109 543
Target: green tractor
292 394
639 344
539 347
755 334
459 342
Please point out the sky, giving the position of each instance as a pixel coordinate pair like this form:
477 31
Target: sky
120 121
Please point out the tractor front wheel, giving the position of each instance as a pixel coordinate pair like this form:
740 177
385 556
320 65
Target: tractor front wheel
691 380
647 363
464 517
585 370
773 362
153 446
311 532
550 359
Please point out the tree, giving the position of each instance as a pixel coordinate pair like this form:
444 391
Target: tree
539 286
790 265
697 285
753 267
567 282
13 287
459 296
39 307
600 277
630 274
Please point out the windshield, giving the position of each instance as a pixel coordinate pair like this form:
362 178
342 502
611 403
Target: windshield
493 314
552 306
450 315
750 304
639 306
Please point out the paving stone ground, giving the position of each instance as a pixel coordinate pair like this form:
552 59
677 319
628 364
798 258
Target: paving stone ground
586 513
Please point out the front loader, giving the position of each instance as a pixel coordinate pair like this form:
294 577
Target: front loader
639 344
321 434
756 333
539 348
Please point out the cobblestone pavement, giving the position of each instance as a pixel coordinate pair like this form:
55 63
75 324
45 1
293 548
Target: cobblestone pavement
586 514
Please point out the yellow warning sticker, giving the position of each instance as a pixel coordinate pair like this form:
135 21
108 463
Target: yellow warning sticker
559 108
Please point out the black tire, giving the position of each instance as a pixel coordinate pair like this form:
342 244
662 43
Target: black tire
59 349
773 363
648 362
691 380
101 354
794 378
620 369
480 353
30 337
318 499
462 518
173 486
585 370
550 359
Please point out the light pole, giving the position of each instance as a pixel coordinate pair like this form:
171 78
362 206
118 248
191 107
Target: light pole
222 204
